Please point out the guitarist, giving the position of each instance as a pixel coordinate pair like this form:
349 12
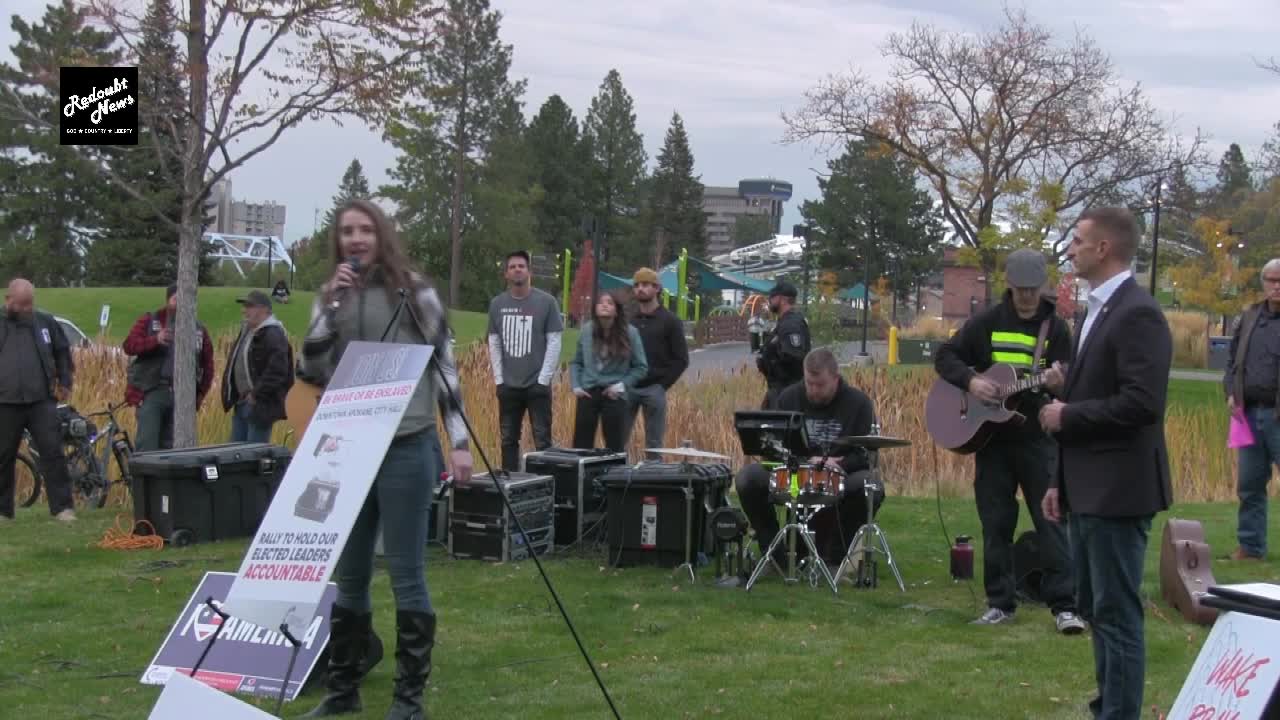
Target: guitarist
1018 455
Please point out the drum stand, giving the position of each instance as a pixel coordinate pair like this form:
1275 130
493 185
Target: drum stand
868 541
798 516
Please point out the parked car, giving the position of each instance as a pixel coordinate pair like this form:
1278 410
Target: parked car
75 336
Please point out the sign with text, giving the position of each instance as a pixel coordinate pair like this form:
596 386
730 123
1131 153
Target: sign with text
99 105
186 699
247 658
299 541
1236 672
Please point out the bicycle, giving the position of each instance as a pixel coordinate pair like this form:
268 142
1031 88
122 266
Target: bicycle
88 481
27 473
118 445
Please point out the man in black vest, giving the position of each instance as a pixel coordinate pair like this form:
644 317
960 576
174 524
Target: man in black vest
35 373
150 378
781 359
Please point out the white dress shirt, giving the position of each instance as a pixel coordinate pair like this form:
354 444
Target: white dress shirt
1098 297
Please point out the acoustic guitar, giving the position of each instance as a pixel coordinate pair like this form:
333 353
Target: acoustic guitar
962 423
301 404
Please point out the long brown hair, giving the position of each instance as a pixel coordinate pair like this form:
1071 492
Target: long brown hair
614 341
392 262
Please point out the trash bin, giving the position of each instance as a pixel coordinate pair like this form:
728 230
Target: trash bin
917 352
1219 351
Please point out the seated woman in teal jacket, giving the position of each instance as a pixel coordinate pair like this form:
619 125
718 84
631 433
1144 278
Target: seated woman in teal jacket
609 361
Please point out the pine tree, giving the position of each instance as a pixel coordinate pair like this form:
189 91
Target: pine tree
677 220
352 186
52 198
616 172
313 256
470 88
557 154
136 246
1234 180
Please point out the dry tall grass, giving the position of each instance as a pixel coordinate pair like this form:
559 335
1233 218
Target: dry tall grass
1190 338
700 410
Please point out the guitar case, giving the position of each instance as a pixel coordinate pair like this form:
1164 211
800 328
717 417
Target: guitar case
1184 569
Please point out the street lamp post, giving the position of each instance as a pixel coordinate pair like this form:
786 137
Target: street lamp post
1155 235
802 232
866 295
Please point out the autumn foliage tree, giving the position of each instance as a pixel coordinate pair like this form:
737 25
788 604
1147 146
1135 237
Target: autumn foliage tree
1216 282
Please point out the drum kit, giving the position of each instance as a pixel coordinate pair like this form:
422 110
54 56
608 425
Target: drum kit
804 489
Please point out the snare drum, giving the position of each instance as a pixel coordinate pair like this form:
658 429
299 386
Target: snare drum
811 482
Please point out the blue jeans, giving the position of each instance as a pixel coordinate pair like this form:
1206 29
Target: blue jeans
1255 473
1109 555
244 429
400 498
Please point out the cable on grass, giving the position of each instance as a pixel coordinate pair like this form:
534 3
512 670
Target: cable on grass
122 536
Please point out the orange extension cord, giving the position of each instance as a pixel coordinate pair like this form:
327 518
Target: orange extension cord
122 537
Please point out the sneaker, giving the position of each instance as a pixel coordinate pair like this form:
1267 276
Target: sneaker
66 516
1069 623
993 616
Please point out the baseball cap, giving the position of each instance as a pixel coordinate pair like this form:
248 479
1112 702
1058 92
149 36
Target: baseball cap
1025 269
255 297
645 275
785 289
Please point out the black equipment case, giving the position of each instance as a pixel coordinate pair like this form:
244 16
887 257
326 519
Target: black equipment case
579 498
203 494
480 526
649 506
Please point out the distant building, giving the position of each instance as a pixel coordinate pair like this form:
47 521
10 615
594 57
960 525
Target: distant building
248 218
964 287
220 207
724 205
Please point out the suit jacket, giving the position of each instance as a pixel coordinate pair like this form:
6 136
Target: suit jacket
1112 460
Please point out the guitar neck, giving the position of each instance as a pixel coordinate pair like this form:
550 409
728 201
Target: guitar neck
1030 382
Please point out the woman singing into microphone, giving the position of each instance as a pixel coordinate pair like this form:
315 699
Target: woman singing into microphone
357 303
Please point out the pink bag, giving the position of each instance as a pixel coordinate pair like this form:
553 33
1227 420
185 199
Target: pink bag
1238 432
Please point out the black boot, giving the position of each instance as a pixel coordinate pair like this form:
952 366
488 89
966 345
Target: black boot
348 642
415 636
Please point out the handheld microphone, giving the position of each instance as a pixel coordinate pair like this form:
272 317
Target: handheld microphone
353 262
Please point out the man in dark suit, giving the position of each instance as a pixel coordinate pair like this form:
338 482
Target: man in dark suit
1113 469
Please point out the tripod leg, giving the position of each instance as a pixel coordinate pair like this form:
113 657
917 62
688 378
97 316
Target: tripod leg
768 558
845 564
888 556
807 534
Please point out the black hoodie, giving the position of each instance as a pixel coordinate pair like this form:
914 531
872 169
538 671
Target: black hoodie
969 352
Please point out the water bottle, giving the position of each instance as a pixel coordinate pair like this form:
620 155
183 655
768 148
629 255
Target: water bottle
962 559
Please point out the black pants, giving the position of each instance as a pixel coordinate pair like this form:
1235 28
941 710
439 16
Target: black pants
42 420
610 414
512 404
1004 466
833 526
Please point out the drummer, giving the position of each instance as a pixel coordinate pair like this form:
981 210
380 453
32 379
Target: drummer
832 408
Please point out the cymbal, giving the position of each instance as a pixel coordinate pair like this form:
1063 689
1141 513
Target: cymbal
688 452
870 442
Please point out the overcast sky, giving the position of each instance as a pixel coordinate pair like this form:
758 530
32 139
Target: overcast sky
729 67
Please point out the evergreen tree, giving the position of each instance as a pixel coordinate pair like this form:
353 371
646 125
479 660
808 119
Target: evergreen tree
751 229
872 211
677 220
353 185
616 173
52 197
505 198
559 165
313 256
137 246
469 89
1234 180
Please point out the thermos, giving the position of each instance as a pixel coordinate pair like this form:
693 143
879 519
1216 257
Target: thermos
962 559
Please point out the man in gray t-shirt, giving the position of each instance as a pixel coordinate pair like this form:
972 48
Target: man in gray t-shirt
524 352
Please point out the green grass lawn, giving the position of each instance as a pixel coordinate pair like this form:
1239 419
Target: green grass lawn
217 309
79 624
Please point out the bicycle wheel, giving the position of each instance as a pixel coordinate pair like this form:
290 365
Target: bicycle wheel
88 484
29 480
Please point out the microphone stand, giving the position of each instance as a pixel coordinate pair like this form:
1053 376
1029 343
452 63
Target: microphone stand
502 493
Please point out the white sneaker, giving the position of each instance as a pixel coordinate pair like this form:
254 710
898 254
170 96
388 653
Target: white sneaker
66 516
993 616
1069 623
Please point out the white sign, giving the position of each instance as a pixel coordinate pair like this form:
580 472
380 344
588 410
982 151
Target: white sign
187 699
104 317
285 571
1235 673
